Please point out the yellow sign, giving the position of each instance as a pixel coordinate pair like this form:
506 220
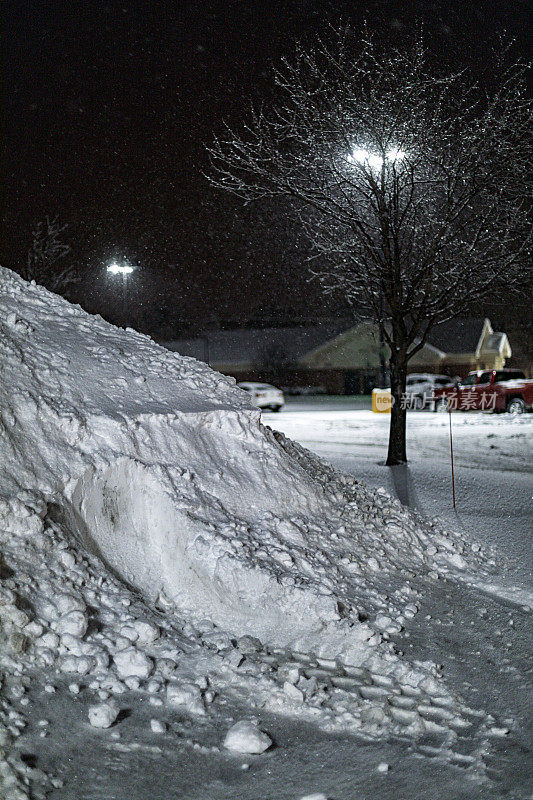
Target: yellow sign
381 401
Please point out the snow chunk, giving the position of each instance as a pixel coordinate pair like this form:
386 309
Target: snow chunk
80 664
249 644
103 715
67 603
131 663
74 623
146 632
187 695
293 693
246 737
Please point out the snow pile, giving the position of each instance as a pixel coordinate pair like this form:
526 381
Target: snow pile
162 469
260 568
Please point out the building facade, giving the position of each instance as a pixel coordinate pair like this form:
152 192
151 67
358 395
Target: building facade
340 359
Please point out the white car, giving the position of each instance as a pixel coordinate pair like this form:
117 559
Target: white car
419 387
263 395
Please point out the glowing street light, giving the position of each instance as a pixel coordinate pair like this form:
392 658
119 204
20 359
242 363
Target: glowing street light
125 270
117 269
366 158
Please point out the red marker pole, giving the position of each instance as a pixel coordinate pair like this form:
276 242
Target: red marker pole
451 453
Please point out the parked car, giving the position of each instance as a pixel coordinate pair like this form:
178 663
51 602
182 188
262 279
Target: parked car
488 390
263 395
420 387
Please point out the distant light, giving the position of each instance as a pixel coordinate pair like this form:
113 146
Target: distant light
117 269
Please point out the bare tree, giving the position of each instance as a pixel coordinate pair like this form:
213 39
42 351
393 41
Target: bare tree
409 184
44 262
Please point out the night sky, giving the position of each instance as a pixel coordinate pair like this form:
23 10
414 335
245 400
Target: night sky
109 107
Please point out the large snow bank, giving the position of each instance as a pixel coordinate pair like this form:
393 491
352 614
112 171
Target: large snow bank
281 578
162 468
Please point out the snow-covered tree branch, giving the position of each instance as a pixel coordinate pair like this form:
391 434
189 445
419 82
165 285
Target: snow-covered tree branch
409 184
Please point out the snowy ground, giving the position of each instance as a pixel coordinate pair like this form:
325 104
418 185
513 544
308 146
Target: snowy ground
171 568
493 460
482 630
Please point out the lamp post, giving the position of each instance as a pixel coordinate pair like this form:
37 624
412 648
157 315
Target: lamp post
125 270
376 162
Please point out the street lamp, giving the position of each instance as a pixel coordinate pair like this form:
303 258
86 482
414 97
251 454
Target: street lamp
366 158
125 270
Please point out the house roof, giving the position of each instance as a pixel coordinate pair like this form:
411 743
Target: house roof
249 347
457 335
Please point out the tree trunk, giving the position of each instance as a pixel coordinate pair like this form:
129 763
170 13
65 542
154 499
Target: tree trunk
397 450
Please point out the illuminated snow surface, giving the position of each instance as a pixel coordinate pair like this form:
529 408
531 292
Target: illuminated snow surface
171 567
